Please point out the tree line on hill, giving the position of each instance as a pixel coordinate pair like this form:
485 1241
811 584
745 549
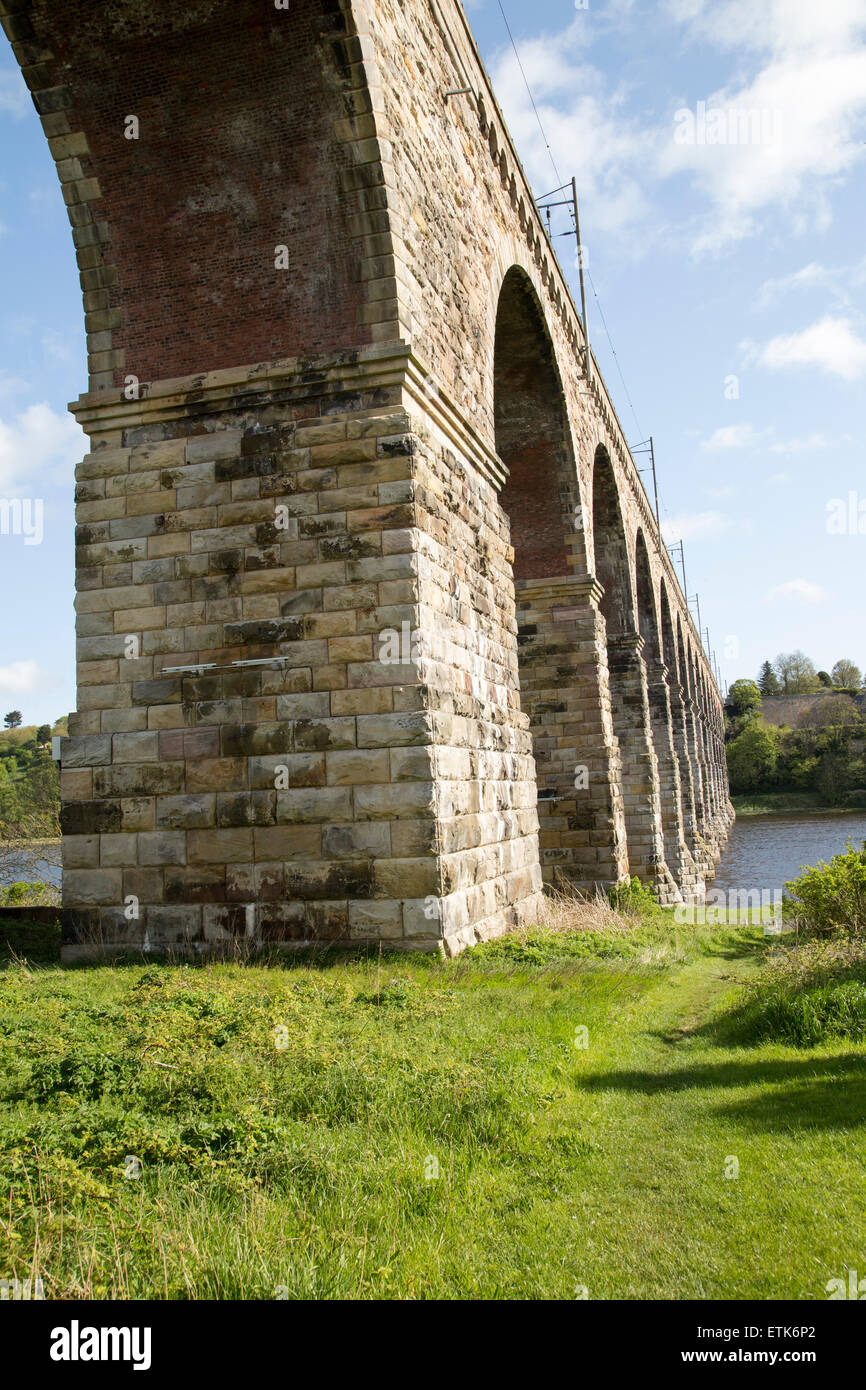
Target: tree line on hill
792 673
824 755
29 782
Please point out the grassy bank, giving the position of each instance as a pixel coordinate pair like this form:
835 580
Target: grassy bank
787 804
549 1114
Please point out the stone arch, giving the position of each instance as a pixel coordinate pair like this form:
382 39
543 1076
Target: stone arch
709 739
679 722
541 494
700 727
610 548
542 500
629 690
242 152
647 615
682 649
677 855
669 646
687 686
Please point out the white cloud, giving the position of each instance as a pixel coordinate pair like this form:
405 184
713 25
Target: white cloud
14 96
21 678
38 445
789 24
802 61
800 589
589 133
695 526
12 385
812 72
802 444
830 280
808 144
830 344
781 479
56 346
812 276
733 437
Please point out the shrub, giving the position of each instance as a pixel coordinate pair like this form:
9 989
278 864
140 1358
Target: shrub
832 897
630 895
21 894
807 994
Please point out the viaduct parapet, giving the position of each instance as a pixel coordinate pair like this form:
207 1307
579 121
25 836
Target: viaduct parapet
376 632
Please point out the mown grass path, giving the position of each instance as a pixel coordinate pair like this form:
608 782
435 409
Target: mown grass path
681 1111
540 1119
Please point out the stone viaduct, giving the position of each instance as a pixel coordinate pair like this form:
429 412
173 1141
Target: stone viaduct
376 632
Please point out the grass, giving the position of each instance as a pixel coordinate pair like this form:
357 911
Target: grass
751 804
553 1112
809 992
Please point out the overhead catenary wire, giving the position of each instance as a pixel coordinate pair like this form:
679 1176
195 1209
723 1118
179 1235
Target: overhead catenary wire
613 352
561 185
529 92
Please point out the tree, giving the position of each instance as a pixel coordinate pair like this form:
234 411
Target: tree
831 781
43 733
797 673
826 679
12 720
834 711
846 673
768 681
744 698
752 758
30 828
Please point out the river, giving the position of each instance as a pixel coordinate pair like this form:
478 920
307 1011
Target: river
765 852
30 866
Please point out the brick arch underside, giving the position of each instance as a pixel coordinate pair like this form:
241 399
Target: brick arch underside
531 434
610 549
646 608
239 152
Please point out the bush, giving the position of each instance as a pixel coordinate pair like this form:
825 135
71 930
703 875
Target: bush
632 896
832 897
807 994
25 895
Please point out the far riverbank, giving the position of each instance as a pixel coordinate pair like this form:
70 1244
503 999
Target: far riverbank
788 804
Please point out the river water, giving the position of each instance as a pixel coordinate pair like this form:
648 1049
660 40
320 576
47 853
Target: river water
30 865
766 852
763 852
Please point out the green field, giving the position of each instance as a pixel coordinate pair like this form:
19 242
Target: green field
412 1128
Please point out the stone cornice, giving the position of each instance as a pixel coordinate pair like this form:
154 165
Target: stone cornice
452 422
584 588
297 379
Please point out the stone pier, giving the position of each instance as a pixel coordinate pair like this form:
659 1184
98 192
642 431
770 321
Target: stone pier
377 635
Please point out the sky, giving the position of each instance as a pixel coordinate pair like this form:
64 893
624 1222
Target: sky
719 148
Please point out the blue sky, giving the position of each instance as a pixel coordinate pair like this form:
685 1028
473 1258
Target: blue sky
731 271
